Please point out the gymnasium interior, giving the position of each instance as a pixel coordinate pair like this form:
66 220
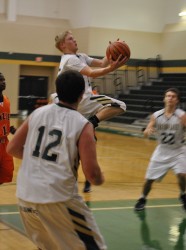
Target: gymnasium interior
155 32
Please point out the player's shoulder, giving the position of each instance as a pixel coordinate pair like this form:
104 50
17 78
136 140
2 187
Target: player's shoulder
78 117
42 110
179 112
6 100
81 54
84 56
5 97
159 113
66 57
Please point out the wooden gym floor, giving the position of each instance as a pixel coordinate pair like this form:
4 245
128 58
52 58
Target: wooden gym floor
124 160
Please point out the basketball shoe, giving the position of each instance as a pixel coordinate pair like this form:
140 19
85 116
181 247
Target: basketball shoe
140 204
87 187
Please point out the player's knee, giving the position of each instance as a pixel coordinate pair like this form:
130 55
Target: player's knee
123 106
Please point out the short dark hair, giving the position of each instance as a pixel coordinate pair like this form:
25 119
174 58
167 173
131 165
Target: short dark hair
70 85
175 90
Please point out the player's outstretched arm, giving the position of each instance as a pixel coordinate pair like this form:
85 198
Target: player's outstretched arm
101 63
88 156
96 72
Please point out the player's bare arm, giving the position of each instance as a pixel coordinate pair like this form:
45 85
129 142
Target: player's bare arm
101 63
150 127
88 156
88 71
16 145
183 119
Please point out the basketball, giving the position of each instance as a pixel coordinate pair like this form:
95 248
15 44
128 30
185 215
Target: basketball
117 48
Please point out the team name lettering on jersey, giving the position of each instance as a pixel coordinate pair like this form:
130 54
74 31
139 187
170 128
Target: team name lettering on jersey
168 126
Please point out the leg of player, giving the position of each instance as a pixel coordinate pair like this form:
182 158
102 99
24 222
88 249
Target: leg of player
94 120
109 112
106 108
140 204
182 185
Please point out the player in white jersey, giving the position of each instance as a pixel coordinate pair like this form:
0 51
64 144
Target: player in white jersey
96 108
170 153
50 143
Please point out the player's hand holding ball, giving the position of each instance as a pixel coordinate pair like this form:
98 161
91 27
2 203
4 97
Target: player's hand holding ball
118 52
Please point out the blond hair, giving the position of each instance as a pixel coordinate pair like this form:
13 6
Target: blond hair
61 38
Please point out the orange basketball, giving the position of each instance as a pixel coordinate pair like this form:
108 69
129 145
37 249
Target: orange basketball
115 49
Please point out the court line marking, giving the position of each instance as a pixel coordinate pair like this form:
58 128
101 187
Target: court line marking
124 208
6 213
109 208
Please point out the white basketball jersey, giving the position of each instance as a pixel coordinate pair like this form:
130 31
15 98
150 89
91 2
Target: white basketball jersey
48 172
77 62
170 135
86 107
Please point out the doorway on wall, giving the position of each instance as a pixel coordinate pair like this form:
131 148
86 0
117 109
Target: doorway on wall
32 92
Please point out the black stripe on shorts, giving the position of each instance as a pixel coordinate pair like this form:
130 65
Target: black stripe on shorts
83 231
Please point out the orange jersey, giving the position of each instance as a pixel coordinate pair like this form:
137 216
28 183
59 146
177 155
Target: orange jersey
4 117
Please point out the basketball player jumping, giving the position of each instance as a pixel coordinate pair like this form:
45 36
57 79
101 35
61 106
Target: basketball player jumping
96 108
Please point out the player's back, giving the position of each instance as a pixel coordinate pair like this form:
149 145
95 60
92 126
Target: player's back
50 161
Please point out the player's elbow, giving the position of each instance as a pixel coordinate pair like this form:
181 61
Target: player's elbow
95 178
98 180
15 151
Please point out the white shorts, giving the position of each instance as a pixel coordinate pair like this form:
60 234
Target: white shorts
157 170
65 225
91 104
